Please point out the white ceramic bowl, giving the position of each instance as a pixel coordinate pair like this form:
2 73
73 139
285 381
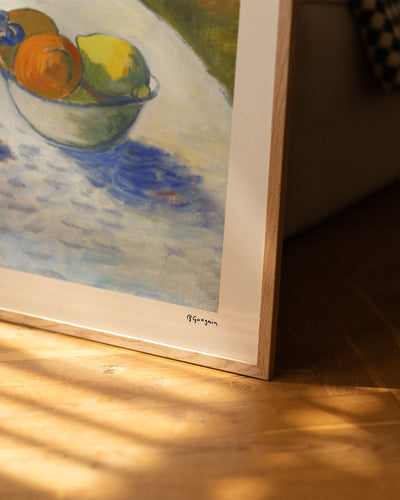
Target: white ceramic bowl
78 125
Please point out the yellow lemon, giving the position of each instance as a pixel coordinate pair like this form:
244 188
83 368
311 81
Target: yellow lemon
111 65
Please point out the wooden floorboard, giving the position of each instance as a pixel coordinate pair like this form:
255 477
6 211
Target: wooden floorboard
341 293
83 420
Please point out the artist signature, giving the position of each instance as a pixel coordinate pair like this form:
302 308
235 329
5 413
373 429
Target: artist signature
192 318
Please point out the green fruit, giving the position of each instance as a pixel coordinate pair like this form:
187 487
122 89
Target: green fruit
141 92
80 96
112 65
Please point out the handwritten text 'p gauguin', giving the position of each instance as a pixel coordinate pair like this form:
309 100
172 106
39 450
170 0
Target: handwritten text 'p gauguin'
197 320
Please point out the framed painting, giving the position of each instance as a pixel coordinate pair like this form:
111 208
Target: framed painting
142 147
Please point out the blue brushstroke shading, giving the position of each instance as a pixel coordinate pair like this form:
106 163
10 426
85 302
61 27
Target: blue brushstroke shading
5 152
145 177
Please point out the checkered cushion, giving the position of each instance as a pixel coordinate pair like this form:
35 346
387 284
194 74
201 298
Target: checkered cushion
379 22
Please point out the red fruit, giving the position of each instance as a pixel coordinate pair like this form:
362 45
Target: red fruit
48 65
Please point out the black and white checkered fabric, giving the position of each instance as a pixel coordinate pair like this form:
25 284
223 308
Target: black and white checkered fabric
379 21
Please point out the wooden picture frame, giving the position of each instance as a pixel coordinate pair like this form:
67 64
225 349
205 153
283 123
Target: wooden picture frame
238 333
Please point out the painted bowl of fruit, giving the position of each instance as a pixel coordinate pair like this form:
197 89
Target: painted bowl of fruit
82 122
85 94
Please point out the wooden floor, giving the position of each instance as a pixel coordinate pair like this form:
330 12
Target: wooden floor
79 420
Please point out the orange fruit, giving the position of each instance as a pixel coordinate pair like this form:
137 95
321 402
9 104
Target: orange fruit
33 22
48 65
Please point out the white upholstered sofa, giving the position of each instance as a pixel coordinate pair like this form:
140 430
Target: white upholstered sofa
344 130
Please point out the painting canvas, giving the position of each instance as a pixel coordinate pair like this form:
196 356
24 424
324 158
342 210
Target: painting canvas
143 214
116 180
